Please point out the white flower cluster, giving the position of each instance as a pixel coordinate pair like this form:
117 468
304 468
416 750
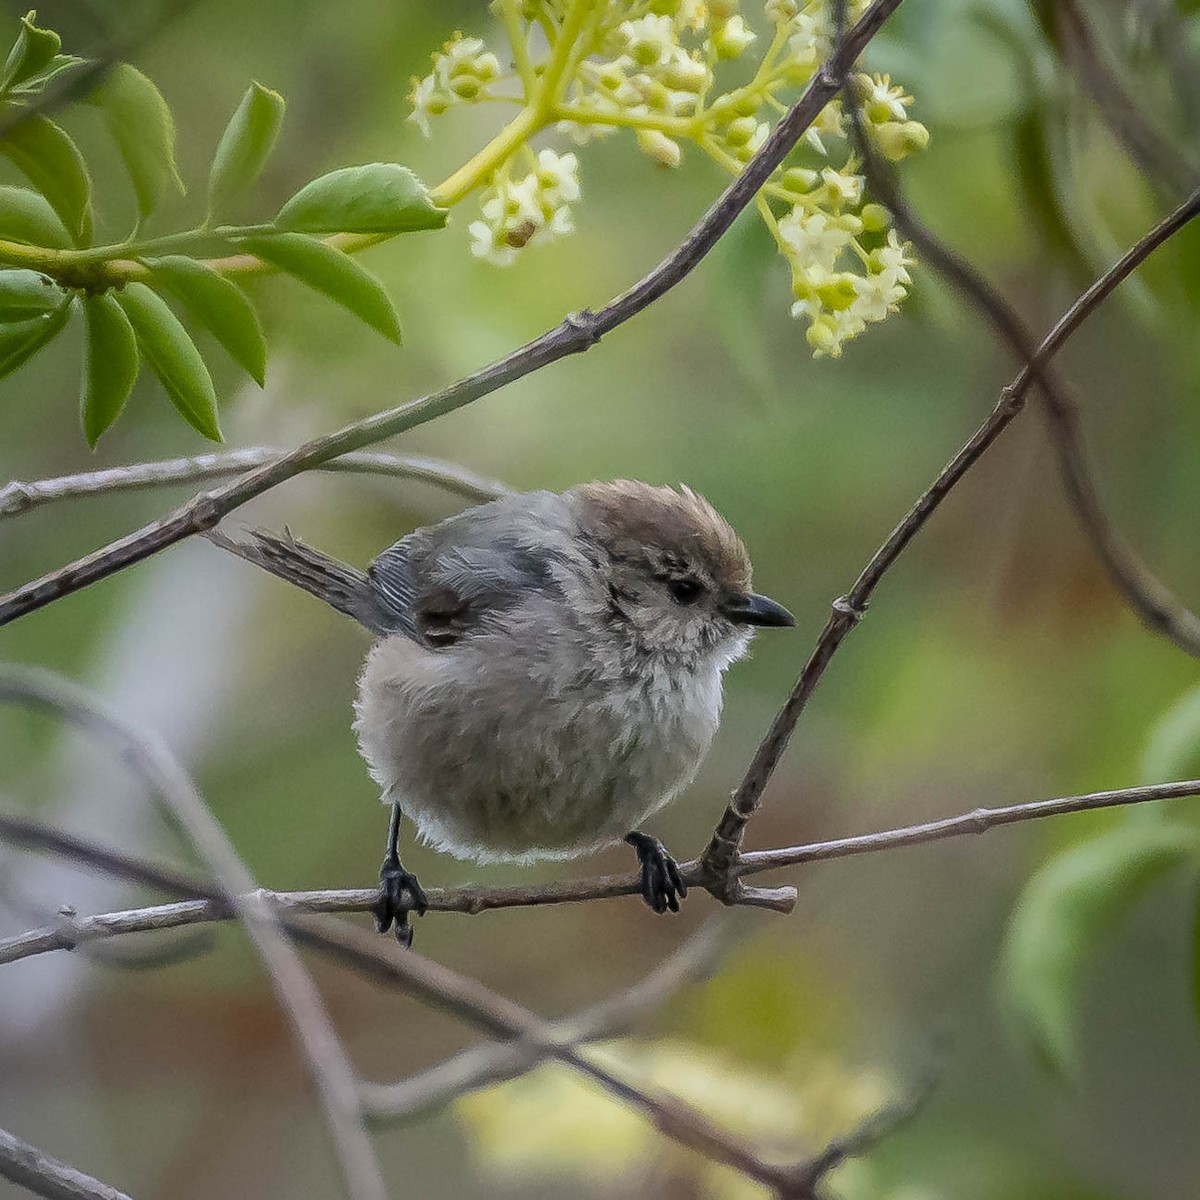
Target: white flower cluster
462 71
655 67
534 209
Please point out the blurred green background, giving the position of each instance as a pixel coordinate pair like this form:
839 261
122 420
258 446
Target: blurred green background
997 663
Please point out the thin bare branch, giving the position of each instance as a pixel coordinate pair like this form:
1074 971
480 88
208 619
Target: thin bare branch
1160 159
1152 602
496 1062
19 497
33 1169
578 332
150 758
209 905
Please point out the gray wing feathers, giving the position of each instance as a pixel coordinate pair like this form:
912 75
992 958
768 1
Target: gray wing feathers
337 583
439 583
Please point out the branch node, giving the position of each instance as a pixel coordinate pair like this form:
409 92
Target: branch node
845 606
584 324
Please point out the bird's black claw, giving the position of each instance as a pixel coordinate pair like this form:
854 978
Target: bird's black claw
662 884
391 908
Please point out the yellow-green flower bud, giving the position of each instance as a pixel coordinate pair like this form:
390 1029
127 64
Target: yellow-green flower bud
875 218
466 87
898 139
664 150
685 74
799 180
740 131
822 336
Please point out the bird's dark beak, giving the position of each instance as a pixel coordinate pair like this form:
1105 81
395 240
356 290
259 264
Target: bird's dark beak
753 609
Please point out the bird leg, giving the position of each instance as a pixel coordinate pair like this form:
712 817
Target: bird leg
662 885
394 881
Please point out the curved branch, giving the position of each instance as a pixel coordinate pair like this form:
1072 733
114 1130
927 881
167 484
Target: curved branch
19 497
150 758
578 332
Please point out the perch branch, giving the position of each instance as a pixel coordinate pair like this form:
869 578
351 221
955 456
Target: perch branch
203 903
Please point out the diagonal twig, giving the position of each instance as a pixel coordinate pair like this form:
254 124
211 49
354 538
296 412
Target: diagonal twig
720 856
44 1175
1147 595
495 1062
294 988
577 333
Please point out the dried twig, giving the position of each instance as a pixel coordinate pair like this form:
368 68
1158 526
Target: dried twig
578 332
31 1168
208 904
294 988
496 1062
18 497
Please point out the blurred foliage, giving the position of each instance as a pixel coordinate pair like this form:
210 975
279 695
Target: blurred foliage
997 663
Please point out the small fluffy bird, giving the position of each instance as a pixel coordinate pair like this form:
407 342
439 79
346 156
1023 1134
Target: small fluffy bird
547 671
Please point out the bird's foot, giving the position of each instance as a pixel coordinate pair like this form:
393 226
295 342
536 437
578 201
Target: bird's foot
392 907
662 884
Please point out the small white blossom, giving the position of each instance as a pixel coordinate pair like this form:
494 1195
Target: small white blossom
813 239
558 176
893 258
843 188
487 243
424 101
648 40
733 37
880 100
877 295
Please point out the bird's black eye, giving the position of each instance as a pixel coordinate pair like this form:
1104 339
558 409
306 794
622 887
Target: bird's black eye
685 590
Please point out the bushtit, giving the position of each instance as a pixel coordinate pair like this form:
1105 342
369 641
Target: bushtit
547 672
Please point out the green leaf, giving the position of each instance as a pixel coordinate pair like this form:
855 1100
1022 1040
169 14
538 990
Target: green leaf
219 305
110 365
60 64
25 294
1173 747
245 145
1065 910
26 216
21 341
51 161
377 198
173 356
32 52
331 272
141 124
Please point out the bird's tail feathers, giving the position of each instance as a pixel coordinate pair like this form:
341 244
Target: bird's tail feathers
337 583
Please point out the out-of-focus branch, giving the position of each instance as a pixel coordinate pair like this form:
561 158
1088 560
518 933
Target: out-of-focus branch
1160 159
294 988
33 1169
19 497
209 905
578 332
1153 603
496 1062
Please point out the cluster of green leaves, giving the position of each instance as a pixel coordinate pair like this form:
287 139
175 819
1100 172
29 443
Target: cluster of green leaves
122 291
1080 897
